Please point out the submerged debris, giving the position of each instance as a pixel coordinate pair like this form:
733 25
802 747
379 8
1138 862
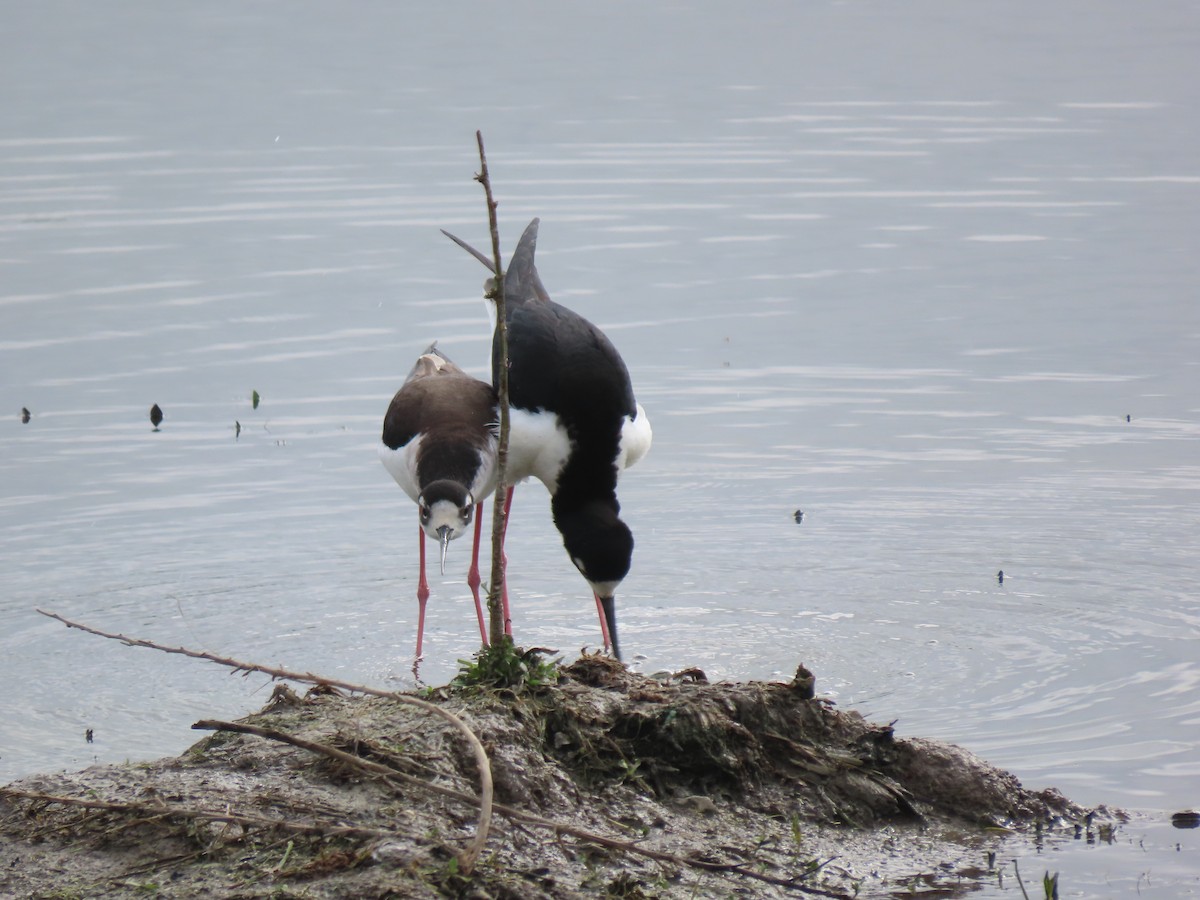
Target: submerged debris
1188 818
606 781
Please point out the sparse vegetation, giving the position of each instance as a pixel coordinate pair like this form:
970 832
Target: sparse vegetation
504 666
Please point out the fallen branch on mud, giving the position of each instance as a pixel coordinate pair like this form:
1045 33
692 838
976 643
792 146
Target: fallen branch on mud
483 764
160 810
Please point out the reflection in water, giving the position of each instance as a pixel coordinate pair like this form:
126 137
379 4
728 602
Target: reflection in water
923 322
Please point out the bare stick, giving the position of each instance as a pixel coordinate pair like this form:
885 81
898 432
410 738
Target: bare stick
496 623
1020 883
481 758
366 765
157 810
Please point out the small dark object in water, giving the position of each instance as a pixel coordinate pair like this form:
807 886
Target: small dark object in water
254 399
693 675
237 429
1128 418
805 683
24 416
798 515
88 735
1189 818
1000 576
156 416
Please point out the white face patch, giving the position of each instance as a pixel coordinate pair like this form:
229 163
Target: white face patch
444 513
604 588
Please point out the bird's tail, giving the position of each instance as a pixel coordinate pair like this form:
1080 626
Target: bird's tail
431 362
521 281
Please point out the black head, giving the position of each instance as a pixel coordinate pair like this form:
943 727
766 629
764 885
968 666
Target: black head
446 509
599 544
445 502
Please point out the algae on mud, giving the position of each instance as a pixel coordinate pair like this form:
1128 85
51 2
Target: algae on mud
690 789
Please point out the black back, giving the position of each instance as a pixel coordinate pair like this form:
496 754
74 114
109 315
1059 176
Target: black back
561 362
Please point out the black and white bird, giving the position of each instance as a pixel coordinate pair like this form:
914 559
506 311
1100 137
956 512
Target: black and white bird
574 423
439 443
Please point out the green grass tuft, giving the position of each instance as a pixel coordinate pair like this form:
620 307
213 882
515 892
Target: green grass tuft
504 665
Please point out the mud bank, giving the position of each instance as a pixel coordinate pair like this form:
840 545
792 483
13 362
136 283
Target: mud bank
606 782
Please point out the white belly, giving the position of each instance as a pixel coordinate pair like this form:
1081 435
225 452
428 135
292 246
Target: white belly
537 445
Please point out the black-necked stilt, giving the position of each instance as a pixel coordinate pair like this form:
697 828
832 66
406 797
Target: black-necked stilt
156 416
439 443
574 423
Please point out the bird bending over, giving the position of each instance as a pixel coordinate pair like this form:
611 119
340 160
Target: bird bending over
439 443
574 423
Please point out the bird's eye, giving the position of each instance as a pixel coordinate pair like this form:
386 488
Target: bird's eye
464 514
425 512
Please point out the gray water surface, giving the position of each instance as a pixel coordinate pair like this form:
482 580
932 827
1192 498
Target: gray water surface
924 271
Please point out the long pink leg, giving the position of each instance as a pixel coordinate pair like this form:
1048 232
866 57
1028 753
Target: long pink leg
422 593
603 622
473 573
504 563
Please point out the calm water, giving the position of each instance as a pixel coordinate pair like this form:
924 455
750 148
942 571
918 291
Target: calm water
926 275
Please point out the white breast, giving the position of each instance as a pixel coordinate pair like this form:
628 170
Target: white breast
485 478
402 465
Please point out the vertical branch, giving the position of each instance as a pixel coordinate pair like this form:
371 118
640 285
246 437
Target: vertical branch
500 348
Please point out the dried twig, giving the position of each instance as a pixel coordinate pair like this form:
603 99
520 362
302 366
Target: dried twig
1020 883
366 765
157 810
497 627
482 762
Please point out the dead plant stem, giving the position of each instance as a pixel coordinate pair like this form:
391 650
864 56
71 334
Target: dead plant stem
485 801
497 627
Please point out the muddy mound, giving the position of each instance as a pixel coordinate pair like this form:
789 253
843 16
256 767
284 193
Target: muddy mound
691 736
605 782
